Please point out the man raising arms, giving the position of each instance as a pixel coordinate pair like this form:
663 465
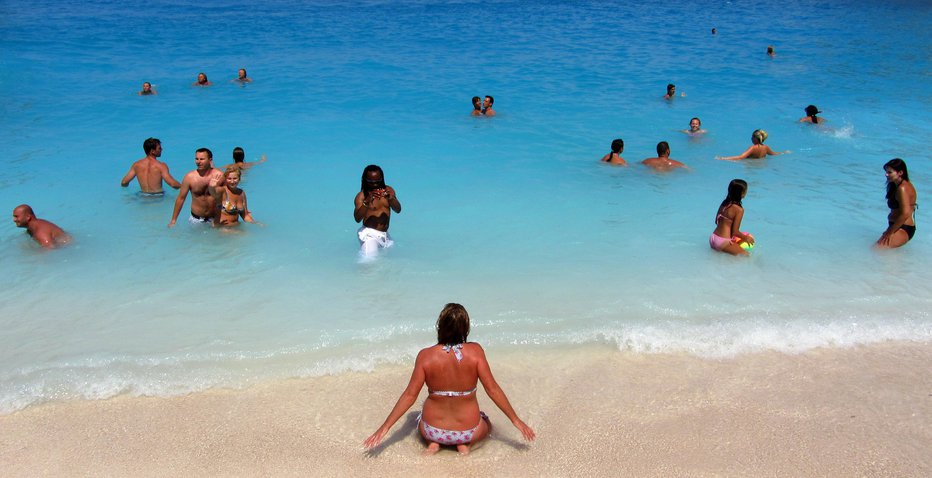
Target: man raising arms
199 182
149 171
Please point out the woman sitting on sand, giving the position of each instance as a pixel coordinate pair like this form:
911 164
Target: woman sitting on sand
757 150
901 199
728 221
231 200
451 414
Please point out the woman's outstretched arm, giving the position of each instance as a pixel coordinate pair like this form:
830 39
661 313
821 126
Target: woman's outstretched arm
495 392
405 401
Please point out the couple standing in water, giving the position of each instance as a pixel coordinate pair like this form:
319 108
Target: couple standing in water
482 107
901 222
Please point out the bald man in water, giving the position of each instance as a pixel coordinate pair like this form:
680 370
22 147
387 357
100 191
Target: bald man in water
48 235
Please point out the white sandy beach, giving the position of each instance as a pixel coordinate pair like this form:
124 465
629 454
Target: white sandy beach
831 412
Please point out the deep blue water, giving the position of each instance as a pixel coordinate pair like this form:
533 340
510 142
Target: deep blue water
512 216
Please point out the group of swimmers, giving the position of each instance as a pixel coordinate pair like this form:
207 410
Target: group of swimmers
202 80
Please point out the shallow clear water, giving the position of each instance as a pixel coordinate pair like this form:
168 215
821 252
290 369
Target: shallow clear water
511 216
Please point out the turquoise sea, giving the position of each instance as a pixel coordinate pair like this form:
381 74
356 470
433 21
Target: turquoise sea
512 216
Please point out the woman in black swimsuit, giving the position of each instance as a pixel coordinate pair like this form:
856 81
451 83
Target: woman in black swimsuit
901 199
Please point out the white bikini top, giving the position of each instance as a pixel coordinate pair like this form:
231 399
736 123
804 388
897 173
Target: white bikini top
458 353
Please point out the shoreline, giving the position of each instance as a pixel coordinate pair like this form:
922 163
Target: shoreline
828 412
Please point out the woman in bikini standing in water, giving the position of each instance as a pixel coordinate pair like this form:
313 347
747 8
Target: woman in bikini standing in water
451 369
901 199
728 221
231 200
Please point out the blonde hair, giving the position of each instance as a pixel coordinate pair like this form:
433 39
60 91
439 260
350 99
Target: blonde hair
232 169
760 135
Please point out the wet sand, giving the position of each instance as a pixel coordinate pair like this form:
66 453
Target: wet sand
864 411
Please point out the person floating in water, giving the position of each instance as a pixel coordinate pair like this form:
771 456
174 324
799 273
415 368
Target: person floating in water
239 160
901 199
451 369
811 112
47 234
242 78
695 127
728 221
373 208
201 80
487 106
149 171
147 89
614 156
757 150
770 52
476 106
662 162
200 183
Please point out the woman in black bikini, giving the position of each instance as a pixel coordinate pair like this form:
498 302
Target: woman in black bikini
901 199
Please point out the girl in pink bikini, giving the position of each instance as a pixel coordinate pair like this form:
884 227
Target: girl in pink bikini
728 221
451 414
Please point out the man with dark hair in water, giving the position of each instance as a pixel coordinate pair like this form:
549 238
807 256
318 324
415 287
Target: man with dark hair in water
373 208
149 171
671 92
48 235
199 182
487 106
662 162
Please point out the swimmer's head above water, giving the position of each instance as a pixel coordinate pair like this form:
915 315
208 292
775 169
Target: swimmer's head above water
239 155
618 146
695 124
758 136
663 149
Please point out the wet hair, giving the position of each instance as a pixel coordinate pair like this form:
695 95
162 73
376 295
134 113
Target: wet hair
697 119
760 135
736 189
663 148
238 155
205 150
491 100
150 144
476 103
144 83
670 86
199 77
244 72
452 325
769 49
812 111
366 186
618 145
